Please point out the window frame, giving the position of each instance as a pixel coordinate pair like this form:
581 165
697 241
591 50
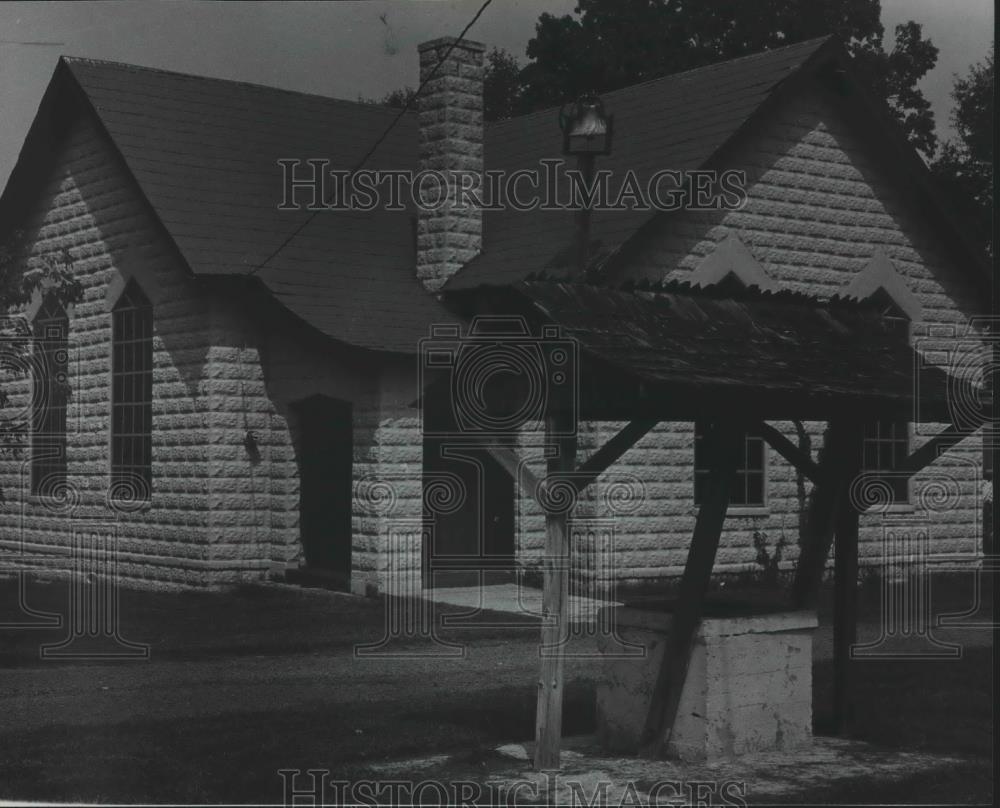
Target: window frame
903 447
736 508
132 299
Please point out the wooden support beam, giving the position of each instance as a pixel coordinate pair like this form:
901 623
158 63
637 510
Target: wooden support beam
839 464
845 614
723 444
788 450
581 477
933 449
601 460
518 470
555 601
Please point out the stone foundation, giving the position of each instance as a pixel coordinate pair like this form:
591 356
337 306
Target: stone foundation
748 688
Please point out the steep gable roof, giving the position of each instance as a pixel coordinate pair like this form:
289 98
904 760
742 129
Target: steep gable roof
204 154
676 122
688 121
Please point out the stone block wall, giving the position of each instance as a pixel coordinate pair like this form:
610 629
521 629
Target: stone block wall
819 206
217 514
387 449
88 214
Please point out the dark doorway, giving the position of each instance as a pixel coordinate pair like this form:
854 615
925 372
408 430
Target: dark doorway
325 449
474 542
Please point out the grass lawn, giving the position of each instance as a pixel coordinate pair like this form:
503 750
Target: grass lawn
244 683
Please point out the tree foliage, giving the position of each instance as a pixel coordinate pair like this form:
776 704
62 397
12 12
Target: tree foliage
403 97
501 88
964 168
607 44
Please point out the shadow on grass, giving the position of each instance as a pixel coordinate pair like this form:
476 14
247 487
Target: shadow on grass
931 706
245 620
942 707
235 757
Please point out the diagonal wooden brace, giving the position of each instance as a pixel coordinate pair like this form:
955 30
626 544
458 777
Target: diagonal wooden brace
723 444
601 460
788 450
933 449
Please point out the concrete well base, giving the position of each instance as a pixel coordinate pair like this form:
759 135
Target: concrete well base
748 688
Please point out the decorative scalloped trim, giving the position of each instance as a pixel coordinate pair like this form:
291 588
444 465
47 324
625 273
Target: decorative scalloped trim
732 257
881 274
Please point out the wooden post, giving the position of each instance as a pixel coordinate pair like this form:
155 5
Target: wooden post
585 165
555 600
838 467
722 446
845 613
833 517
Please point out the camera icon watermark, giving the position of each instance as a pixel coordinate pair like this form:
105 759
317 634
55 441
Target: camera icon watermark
93 618
969 353
38 366
415 624
497 379
39 410
411 627
84 553
911 557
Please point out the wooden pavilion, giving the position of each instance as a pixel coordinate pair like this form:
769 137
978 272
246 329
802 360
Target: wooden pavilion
736 359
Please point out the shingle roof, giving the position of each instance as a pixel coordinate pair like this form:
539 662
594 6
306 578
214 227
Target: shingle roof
204 152
693 349
676 122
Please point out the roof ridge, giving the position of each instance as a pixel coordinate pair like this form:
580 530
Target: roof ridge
131 67
818 42
686 286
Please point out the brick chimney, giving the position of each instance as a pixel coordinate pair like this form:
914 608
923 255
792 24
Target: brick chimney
450 115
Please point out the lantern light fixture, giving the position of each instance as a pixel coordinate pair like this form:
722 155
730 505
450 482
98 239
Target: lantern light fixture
586 127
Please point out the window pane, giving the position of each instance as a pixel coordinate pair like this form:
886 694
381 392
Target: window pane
884 455
899 453
885 448
133 387
871 456
741 458
751 460
755 489
125 327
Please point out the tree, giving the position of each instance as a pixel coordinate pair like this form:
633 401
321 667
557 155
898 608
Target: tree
964 169
501 88
403 97
609 44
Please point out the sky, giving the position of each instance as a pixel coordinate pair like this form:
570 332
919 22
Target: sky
343 49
